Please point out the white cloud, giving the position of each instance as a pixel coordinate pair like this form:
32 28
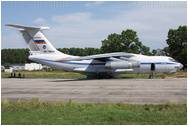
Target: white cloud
40 21
96 3
72 18
81 29
13 40
151 24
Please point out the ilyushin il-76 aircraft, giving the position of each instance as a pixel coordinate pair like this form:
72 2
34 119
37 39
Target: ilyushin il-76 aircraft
101 65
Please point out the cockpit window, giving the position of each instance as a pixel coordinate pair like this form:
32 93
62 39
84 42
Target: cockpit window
173 60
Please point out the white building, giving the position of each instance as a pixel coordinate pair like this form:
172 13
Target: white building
33 66
8 69
18 67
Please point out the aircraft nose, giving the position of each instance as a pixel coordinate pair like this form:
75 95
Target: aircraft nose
181 66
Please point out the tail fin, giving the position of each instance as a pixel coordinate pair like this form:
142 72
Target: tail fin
36 41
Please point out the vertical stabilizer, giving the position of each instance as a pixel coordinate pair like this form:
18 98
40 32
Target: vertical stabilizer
35 40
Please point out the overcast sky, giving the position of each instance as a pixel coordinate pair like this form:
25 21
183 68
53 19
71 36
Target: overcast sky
86 24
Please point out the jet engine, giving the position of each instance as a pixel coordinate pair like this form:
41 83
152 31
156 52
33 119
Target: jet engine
122 65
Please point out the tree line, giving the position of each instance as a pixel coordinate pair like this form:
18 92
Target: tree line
20 56
127 41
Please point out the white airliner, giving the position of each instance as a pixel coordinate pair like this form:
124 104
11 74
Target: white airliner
108 65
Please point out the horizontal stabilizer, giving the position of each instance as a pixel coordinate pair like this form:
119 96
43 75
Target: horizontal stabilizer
27 27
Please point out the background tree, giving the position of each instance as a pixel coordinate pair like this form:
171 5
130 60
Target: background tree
154 52
14 56
177 41
145 50
162 52
91 51
127 41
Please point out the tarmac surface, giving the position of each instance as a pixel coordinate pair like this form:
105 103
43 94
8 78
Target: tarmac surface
131 91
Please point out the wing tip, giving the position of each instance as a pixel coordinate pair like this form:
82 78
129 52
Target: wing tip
9 25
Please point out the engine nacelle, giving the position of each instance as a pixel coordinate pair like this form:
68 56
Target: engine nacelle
122 65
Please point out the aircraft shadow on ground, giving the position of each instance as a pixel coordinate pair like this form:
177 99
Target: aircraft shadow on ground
86 79
72 79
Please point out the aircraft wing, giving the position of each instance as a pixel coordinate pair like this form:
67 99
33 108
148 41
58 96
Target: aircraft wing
103 56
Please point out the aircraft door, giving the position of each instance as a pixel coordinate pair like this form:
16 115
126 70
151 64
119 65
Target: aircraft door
152 66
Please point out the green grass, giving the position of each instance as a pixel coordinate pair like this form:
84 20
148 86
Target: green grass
45 74
35 112
62 74
183 75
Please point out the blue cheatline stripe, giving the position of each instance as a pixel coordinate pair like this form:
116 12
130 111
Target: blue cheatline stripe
70 62
144 63
39 41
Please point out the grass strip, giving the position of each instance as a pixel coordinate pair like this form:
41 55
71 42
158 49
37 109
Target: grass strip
62 74
36 112
45 74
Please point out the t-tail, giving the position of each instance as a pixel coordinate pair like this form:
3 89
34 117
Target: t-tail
36 41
